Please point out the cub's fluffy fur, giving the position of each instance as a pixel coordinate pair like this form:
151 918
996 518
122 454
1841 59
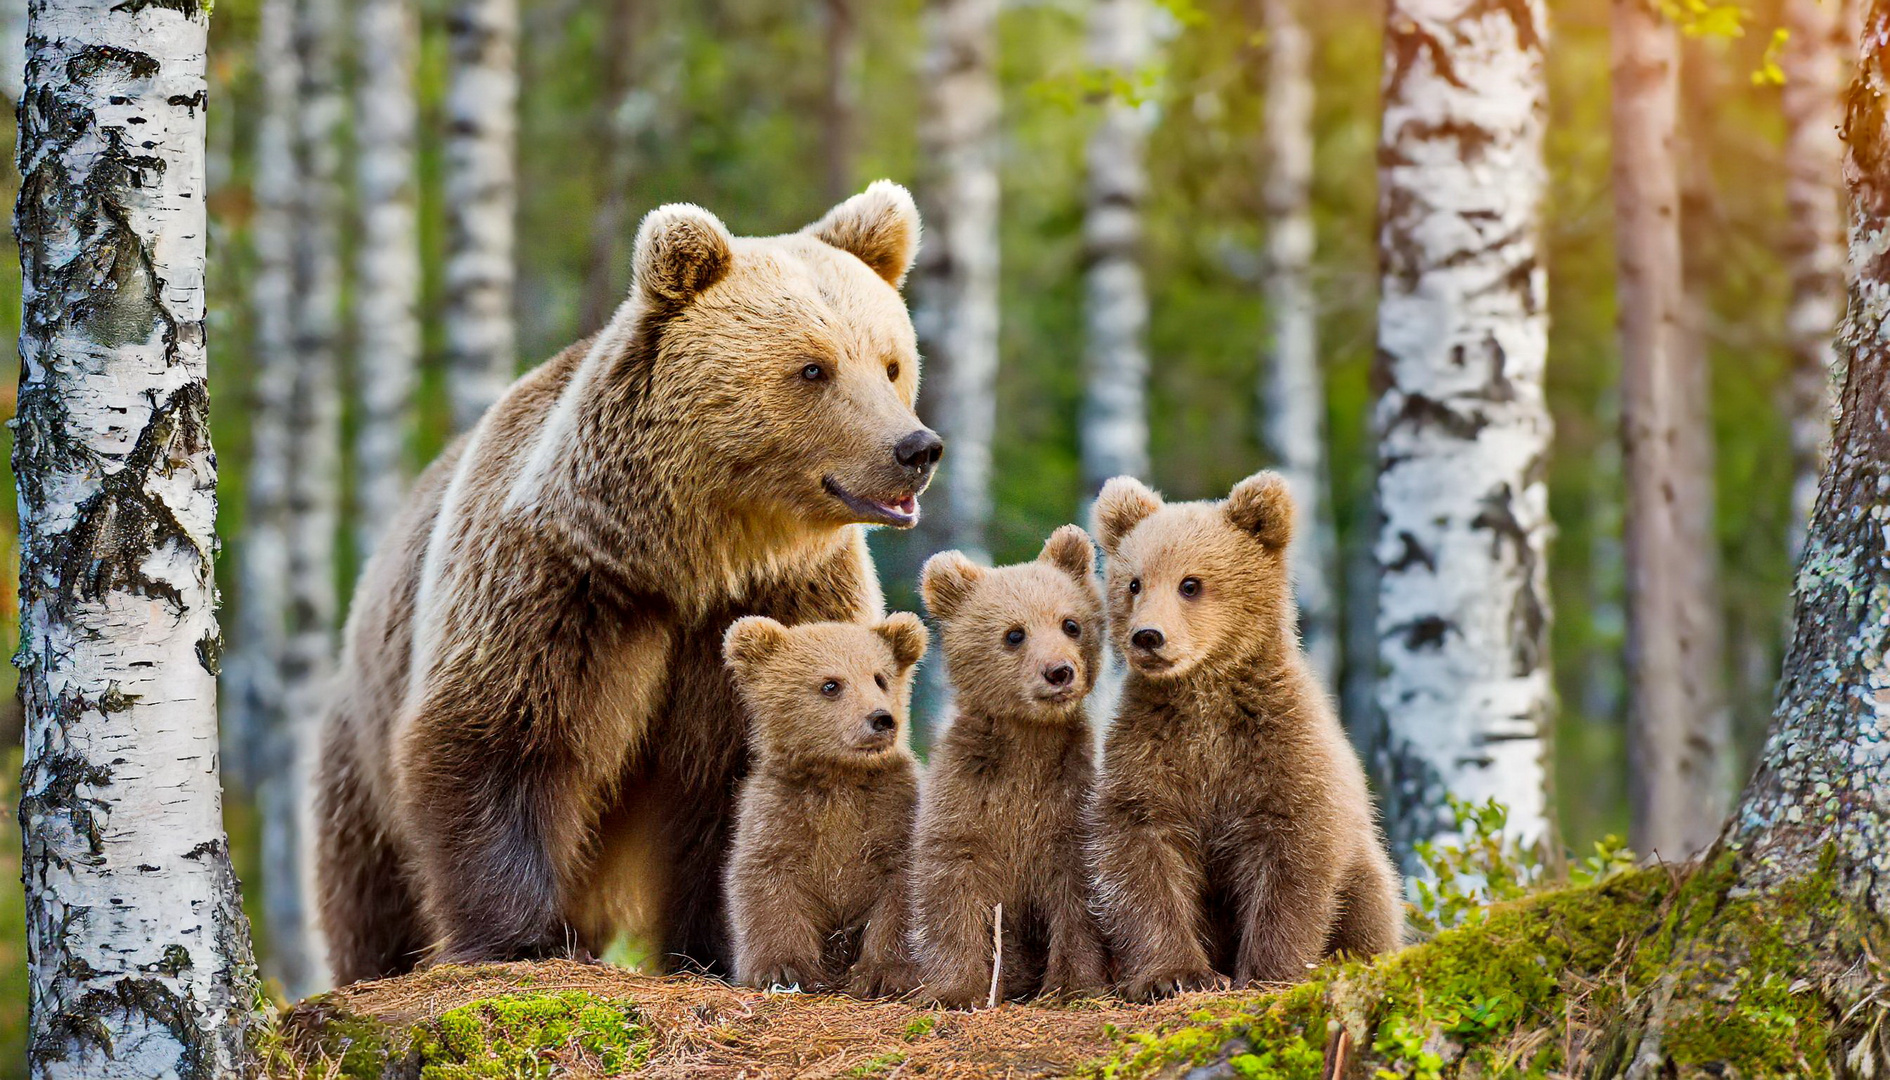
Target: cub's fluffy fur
1234 832
816 884
1001 817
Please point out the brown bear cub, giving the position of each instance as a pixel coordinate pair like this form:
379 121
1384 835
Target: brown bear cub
1234 834
816 880
1001 818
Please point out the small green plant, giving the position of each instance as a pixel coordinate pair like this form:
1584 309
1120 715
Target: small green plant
1482 864
920 1027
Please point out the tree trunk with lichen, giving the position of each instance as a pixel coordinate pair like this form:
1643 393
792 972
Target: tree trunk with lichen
138 954
1463 426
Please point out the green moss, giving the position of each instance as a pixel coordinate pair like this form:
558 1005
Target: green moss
533 1035
920 1027
878 1066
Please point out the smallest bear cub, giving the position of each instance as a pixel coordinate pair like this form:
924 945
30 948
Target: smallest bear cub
1001 817
816 879
1234 832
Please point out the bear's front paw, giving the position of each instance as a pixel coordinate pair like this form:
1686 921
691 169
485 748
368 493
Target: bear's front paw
1073 979
882 980
1171 981
958 995
782 976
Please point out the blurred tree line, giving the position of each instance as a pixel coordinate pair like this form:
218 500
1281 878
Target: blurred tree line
726 103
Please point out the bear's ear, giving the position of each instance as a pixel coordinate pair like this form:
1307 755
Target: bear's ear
906 634
681 250
1122 505
1262 505
946 581
880 225
1069 549
749 640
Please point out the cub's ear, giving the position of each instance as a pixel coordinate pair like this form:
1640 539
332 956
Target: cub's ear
1122 505
880 225
946 581
906 634
681 250
1262 505
1069 549
749 640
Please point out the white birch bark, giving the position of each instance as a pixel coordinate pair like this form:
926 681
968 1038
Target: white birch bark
312 517
1811 100
1675 775
138 956
1293 393
481 199
1463 613
12 48
387 263
1114 427
955 284
252 681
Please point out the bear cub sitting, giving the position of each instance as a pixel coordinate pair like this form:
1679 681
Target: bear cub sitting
1234 834
1001 817
816 880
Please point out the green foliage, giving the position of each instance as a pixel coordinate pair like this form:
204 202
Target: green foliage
532 1036
920 1027
1483 865
880 1065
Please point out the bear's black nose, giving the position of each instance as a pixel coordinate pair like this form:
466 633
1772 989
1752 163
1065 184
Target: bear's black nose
1147 638
920 450
880 721
1059 674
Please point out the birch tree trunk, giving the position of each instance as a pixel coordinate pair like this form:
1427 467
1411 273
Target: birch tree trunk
1114 433
138 955
1798 884
314 441
252 678
13 49
1463 428
839 117
1294 394
955 284
1812 103
387 263
1674 773
481 199
624 110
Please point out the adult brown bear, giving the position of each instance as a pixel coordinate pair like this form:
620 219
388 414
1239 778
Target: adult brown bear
533 742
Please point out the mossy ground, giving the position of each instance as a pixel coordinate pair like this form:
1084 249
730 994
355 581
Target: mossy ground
1534 988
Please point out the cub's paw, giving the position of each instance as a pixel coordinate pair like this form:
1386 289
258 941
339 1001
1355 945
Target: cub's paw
782 976
952 996
882 980
1169 982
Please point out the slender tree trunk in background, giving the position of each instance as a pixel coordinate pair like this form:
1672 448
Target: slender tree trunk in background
138 955
839 116
13 49
1674 767
1463 427
252 677
955 284
1811 100
481 197
623 111
1294 393
1114 432
314 497
1799 870
387 264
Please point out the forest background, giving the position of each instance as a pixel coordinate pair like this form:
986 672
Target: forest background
725 103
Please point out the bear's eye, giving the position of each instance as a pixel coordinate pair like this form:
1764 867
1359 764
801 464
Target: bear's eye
1014 638
1071 628
892 371
1190 587
879 681
1135 586
814 373
831 688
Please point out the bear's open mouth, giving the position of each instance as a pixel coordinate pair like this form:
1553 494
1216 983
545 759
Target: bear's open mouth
901 514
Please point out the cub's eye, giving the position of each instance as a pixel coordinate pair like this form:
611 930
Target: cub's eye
1190 587
814 373
830 688
879 681
1071 628
1014 638
1135 586
892 371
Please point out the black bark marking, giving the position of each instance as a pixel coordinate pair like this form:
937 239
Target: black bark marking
1529 613
141 1000
1412 554
187 8
1426 632
1422 411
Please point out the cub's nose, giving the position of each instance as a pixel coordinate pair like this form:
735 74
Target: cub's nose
920 450
1059 674
880 721
1147 638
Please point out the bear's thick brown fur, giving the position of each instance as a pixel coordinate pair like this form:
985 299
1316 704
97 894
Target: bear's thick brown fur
823 835
1234 832
530 747
1001 818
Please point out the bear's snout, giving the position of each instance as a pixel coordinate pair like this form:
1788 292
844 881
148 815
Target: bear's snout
1059 674
880 722
919 452
1147 638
